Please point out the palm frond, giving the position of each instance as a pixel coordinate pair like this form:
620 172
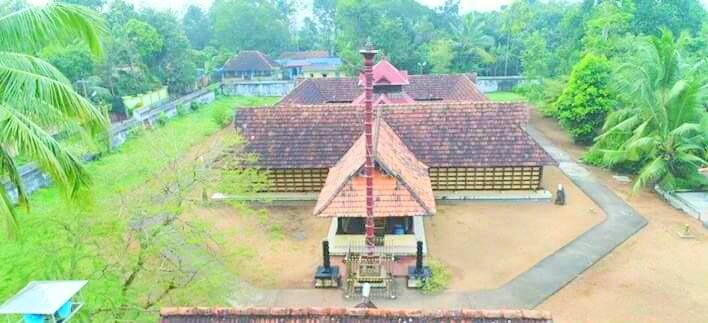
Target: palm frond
33 141
37 26
11 221
23 76
651 173
9 169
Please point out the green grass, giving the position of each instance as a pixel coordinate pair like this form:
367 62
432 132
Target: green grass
505 96
52 234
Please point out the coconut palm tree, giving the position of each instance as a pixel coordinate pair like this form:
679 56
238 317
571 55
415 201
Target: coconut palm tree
471 41
36 100
664 125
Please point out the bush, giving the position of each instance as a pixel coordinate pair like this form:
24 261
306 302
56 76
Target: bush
194 106
532 90
183 109
586 100
440 277
162 119
552 89
223 116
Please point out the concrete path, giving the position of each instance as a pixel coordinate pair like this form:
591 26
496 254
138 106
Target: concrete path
527 290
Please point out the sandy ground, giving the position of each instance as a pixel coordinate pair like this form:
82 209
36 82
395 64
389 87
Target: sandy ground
653 277
486 244
280 252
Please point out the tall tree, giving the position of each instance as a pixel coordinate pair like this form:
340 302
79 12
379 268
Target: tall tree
174 66
249 24
472 44
440 56
197 27
664 124
677 16
35 96
325 14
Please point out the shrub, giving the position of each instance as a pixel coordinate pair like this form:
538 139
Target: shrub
162 119
533 90
182 109
194 106
586 100
552 89
440 277
223 116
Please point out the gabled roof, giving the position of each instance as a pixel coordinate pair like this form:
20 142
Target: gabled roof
457 87
386 74
401 182
344 315
386 98
304 54
250 60
440 134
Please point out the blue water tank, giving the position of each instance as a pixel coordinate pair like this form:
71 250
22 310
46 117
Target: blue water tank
399 229
65 310
33 318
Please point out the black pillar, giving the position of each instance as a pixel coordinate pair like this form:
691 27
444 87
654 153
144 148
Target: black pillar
325 255
419 257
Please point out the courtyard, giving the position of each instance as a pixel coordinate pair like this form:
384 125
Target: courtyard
483 244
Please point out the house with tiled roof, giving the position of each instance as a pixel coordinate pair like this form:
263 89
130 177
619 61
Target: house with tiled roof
251 65
378 163
391 85
311 64
349 315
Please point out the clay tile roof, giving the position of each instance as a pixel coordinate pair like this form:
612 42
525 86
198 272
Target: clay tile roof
386 74
304 54
348 315
441 134
250 60
457 87
401 182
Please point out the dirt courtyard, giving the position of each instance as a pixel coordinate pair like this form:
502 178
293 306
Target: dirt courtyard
484 244
655 276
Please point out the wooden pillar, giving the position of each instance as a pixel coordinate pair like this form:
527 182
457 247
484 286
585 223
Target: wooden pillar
368 52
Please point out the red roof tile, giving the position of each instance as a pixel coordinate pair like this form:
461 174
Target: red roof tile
386 74
457 87
352 315
463 134
401 183
250 60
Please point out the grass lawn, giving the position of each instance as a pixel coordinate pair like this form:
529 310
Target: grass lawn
504 96
52 233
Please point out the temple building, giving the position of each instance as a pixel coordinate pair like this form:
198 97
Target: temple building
391 86
426 140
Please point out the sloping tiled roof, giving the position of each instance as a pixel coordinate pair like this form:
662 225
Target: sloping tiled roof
250 60
386 74
454 87
304 54
401 182
348 315
440 134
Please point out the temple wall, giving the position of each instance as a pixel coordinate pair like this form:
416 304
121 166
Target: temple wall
521 178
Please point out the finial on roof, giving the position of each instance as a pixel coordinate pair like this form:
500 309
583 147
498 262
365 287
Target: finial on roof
368 44
368 47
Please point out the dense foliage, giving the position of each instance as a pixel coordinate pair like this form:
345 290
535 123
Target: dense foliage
663 125
37 101
586 100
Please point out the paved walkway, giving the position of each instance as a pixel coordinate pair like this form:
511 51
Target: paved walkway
527 290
